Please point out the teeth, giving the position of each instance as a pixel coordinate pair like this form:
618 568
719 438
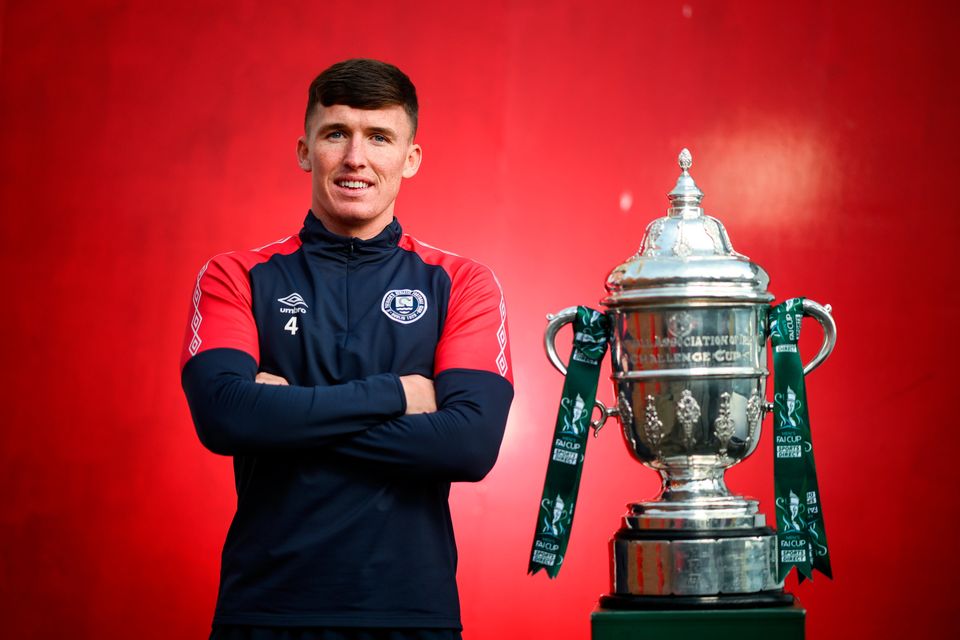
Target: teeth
352 184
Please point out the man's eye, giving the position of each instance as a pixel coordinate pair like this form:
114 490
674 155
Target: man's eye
380 138
335 134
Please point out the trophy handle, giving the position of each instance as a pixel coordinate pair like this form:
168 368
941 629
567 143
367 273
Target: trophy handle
822 315
554 322
605 413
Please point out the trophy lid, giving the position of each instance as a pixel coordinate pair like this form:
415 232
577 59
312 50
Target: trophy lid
686 255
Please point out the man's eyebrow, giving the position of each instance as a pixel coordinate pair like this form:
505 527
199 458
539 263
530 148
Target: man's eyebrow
331 126
387 132
334 126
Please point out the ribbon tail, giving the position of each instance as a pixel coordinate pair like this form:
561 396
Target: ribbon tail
784 571
550 571
823 566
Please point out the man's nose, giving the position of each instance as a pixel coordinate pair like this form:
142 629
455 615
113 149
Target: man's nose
355 156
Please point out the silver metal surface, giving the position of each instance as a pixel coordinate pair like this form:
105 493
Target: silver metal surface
731 512
689 332
554 322
822 314
605 414
733 565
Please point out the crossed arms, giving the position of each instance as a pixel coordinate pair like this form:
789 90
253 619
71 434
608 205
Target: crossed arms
449 428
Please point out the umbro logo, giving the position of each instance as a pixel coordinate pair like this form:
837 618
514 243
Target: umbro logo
294 303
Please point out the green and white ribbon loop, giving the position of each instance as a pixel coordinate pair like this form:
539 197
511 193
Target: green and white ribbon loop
560 488
801 538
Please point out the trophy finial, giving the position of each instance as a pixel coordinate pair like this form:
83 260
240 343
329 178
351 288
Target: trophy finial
686 194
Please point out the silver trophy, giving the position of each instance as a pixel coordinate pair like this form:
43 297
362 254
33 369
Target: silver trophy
688 346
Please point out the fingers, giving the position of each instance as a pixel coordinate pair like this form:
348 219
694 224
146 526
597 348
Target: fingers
268 378
420 394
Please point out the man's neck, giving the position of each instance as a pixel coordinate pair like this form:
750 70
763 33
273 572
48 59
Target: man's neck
362 230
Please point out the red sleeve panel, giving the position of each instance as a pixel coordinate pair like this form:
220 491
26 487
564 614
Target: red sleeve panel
474 333
221 312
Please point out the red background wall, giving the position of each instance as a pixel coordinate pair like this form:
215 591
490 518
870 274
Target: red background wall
138 139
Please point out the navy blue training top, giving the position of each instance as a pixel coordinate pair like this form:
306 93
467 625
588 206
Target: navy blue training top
342 516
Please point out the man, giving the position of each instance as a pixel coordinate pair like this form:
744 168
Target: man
353 373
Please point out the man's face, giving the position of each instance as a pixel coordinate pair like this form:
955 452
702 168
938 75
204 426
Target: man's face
357 158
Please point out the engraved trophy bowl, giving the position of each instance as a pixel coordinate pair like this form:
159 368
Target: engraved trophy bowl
688 349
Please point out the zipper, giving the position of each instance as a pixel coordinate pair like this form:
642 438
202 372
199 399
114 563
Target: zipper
346 287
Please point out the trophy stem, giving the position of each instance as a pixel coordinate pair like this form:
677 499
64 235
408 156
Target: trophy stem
694 497
692 481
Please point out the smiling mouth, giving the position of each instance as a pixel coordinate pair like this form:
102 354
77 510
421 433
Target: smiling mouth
353 185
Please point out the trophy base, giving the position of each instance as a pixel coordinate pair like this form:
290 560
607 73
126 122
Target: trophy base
762 599
707 567
756 623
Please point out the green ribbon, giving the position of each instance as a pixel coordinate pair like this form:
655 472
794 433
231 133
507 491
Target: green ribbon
560 488
801 538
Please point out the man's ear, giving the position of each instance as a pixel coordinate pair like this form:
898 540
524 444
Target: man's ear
412 164
303 154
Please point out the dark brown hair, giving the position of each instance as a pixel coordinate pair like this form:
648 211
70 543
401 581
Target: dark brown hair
363 83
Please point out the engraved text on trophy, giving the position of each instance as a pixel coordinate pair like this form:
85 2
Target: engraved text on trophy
679 339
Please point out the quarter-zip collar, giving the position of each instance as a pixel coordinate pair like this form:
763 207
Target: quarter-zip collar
316 238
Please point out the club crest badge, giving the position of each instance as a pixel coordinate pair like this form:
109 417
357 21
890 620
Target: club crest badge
404 305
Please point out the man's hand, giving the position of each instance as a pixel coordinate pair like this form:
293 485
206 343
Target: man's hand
420 394
268 378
